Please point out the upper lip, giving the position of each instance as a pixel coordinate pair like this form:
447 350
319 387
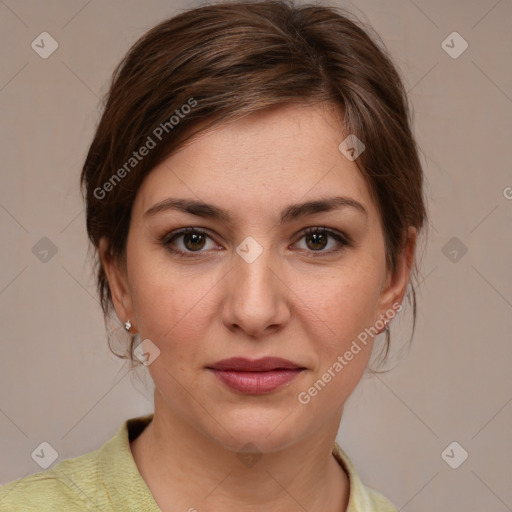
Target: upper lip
254 365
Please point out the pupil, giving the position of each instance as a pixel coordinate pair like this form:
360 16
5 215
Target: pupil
195 239
319 240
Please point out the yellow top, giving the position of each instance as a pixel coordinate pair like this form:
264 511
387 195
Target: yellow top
108 479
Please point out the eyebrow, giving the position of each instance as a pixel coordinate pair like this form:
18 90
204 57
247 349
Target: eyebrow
290 213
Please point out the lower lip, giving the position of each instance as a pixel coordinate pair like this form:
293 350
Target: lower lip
256 383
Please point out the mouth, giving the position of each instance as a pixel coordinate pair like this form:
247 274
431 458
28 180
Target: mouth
257 376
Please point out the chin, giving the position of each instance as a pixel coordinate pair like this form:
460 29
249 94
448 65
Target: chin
260 431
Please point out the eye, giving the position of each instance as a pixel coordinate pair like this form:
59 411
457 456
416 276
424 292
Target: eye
317 239
187 241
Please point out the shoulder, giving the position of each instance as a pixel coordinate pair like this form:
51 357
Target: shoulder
106 479
70 485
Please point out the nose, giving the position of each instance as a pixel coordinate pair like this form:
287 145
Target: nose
257 297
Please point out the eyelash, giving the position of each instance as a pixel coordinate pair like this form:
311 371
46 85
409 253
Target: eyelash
167 240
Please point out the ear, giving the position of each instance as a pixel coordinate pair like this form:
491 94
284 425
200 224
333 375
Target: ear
118 282
396 283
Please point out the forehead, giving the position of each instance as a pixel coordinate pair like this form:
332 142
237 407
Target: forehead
260 163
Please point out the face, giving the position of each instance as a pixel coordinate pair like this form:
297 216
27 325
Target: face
253 277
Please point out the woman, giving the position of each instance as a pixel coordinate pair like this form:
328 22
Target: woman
254 197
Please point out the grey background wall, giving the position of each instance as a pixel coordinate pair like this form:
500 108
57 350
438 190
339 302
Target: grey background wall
59 383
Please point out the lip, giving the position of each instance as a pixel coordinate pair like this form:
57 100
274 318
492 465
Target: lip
241 364
256 376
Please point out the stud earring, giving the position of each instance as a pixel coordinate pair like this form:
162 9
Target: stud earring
127 325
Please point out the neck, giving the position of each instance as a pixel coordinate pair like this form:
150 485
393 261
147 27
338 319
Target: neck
186 470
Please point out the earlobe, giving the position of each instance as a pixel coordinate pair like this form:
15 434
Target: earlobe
115 271
396 284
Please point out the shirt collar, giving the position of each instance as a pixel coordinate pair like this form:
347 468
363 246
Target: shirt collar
119 473
359 500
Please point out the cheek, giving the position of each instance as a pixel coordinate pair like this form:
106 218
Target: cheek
343 310
342 304
170 302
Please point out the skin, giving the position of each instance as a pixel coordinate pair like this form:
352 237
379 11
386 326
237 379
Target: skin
297 300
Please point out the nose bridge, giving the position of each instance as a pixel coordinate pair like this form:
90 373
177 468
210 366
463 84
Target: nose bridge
253 271
254 275
255 299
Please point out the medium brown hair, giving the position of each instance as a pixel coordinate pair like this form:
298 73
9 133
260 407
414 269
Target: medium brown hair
227 60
